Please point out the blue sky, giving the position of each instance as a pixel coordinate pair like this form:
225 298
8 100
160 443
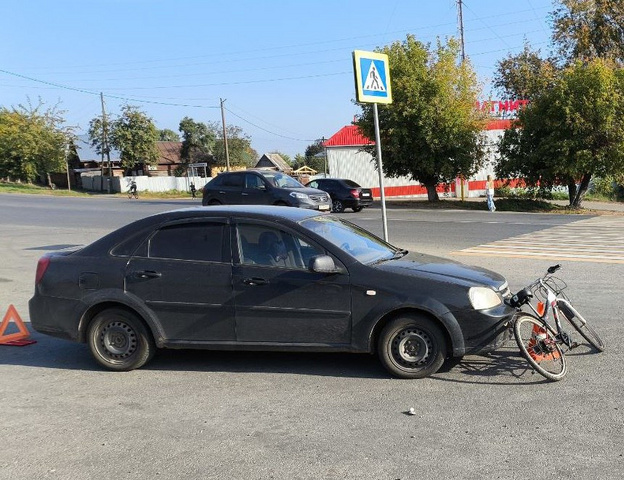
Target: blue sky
284 68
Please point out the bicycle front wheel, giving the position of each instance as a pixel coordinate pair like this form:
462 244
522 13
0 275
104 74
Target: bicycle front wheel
574 318
539 347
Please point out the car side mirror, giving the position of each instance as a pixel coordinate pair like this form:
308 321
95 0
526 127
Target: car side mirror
322 264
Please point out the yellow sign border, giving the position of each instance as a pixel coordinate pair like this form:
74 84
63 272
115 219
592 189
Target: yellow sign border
359 88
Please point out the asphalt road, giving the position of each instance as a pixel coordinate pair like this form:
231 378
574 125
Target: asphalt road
196 414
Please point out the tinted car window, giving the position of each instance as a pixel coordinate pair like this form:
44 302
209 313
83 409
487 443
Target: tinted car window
314 184
232 180
360 243
203 242
268 246
281 180
351 183
216 182
254 181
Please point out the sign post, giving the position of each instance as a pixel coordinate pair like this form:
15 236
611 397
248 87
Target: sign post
372 85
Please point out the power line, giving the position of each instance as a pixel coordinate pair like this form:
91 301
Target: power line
89 92
268 131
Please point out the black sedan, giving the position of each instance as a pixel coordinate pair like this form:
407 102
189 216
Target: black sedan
344 193
265 278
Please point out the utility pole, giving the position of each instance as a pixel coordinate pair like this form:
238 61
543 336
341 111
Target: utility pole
105 146
460 22
324 157
67 167
227 154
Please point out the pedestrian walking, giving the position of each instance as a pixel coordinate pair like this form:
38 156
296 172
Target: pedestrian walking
193 189
489 192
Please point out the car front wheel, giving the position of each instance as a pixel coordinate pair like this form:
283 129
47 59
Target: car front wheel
119 340
412 347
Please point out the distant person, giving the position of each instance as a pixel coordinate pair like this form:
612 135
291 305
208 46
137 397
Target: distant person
489 192
133 190
193 189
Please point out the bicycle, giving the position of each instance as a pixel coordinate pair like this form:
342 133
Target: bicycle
540 339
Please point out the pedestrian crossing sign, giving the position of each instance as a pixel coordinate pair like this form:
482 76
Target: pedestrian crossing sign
372 77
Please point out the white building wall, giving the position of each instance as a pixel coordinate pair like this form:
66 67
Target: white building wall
357 165
144 183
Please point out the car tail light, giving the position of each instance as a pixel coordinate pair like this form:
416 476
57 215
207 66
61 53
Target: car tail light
355 193
42 266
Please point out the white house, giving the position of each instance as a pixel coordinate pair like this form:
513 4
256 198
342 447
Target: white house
347 159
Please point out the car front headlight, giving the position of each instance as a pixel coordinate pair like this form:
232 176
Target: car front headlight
483 298
300 196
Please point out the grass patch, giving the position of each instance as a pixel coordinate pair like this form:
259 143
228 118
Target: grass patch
502 205
166 195
32 189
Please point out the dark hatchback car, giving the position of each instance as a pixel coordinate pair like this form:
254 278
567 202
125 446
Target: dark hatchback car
263 187
265 278
344 193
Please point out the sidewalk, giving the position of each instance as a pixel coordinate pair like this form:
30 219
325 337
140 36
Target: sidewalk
617 207
603 206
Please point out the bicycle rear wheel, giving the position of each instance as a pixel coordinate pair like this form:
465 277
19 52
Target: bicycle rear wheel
574 318
539 347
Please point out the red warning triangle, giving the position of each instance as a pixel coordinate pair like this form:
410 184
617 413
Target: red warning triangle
18 338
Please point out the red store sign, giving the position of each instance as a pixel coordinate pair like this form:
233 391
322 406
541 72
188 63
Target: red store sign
501 107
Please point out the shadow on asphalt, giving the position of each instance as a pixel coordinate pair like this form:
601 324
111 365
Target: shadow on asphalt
50 352
503 367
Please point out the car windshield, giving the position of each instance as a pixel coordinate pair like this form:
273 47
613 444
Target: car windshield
281 180
361 244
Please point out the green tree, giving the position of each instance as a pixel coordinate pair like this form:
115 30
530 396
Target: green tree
99 137
167 135
135 135
587 29
198 141
315 156
570 132
524 75
240 151
431 132
33 142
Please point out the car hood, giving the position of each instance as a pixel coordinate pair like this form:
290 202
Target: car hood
306 190
414 263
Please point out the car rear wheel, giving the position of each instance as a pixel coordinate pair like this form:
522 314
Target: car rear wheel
337 206
412 347
119 340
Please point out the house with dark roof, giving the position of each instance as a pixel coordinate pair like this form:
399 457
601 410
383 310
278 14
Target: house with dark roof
274 161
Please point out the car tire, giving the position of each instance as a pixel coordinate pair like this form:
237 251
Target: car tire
119 340
337 206
412 347
357 209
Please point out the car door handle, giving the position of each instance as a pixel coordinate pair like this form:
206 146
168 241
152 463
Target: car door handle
255 281
245 194
222 193
148 274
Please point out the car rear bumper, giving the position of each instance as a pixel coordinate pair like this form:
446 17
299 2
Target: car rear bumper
357 202
53 316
